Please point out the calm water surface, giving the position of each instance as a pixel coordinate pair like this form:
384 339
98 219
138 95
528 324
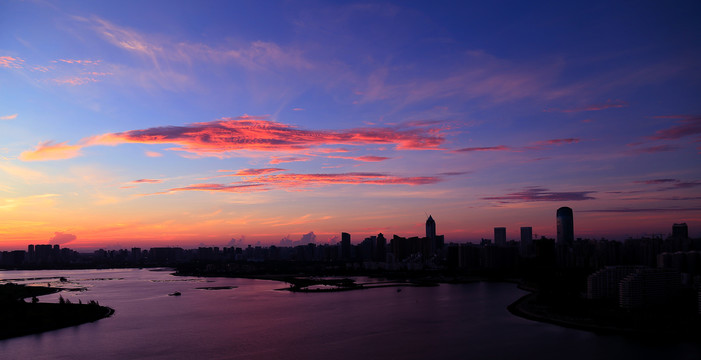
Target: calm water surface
254 321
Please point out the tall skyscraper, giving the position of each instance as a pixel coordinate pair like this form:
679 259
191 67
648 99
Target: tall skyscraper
430 228
345 246
500 236
526 241
565 226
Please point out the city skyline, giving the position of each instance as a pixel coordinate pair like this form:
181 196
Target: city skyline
178 124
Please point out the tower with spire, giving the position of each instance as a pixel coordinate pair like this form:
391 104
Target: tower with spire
430 228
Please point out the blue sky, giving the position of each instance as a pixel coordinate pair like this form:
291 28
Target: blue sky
182 123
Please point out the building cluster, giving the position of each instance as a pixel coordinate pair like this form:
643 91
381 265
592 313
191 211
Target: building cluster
635 274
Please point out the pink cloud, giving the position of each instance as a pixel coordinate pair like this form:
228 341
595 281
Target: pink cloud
292 181
610 104
365 158
8 117
153 154
219 187
149 181
75 81
687 126
61 238
287 159
255 172
250 133
552 142
11 62
49 150
80 62
260 134
541 194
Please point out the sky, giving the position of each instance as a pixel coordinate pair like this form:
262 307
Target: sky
219 123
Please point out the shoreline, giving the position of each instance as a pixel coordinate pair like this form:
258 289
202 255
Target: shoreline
527 307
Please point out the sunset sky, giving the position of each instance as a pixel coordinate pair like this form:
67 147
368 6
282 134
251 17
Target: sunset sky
182 123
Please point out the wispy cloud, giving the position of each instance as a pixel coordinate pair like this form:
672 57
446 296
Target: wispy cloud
256 172
635 210
539 145
153 154
486 148
610 104
50 150
365 158
43 200
149 181
542 194
219 187
287 159
552 142
257 55
656 181
264 180
655 149
687 126
78 61
8 117
75 81
11 62
671 184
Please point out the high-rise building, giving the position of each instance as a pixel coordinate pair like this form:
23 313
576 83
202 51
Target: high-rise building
680 231
380 249
565 226
430 228
345 246
500 236
526 248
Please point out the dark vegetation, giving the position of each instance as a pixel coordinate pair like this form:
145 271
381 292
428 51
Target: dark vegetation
19 317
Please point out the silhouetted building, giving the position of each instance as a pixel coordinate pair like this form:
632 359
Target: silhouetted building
345 246
680 231
500 236
565 226
649 287
380 249
430 228
544 252
604 284
526 246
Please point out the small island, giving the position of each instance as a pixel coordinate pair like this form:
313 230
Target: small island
19 317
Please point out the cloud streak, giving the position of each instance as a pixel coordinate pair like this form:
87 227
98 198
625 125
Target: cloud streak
541 194
486 148
8 117
595 107
687 126
264 180
534 146
147 181
50 150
